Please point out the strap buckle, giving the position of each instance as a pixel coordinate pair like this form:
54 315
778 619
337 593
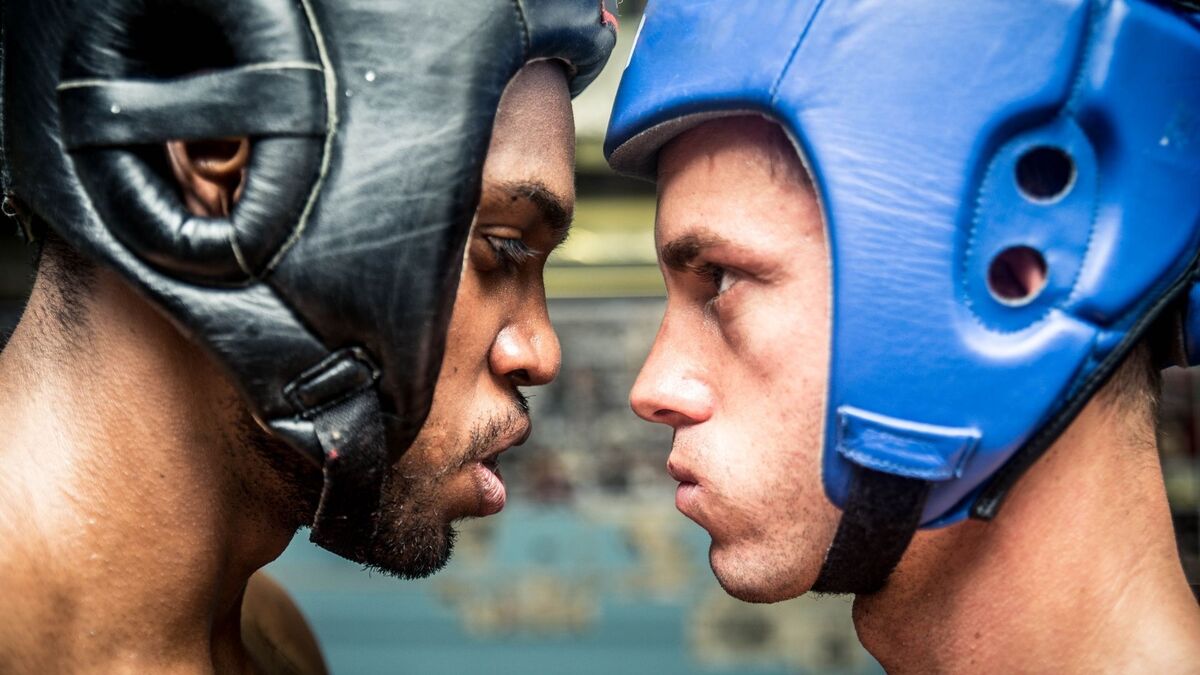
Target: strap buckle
337 378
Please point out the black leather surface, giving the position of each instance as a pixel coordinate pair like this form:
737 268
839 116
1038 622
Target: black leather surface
567 31
270 100
352 437
351 229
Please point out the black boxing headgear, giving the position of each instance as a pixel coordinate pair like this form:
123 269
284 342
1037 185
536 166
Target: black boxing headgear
326 293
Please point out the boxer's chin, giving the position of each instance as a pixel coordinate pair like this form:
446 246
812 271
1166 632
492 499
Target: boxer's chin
762 573
413 536
412 541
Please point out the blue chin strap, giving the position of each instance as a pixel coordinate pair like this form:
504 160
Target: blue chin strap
952 143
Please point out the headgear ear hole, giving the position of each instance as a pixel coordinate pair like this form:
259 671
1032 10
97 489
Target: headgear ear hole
214 157
143 74
1045 174
1017 276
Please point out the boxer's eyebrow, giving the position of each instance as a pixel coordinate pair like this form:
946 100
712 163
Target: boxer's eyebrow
679 253
554 210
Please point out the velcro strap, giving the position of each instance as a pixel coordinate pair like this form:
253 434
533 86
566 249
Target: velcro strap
882 513
262 100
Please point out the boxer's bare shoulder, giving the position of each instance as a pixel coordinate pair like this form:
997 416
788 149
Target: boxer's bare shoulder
275 632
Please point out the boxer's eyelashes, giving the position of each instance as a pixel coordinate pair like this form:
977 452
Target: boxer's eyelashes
510 253
720 278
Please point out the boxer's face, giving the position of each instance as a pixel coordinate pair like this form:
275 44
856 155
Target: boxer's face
739 366
500 337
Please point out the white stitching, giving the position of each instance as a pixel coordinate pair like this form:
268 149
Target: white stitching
237 251
1087 51
282 65
331 101
88 83
527 42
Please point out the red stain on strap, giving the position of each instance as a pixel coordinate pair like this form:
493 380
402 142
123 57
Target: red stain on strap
332 454
607 18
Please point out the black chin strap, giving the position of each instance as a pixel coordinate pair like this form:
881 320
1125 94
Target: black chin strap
881 516
356 458
339 400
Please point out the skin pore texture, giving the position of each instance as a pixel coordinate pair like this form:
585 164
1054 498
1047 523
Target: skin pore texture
138 497
1078 573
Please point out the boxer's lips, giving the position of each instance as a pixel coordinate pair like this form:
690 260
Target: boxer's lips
689 491
681 473
487 470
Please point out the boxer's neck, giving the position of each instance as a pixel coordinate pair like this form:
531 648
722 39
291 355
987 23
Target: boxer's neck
127 537
1078 573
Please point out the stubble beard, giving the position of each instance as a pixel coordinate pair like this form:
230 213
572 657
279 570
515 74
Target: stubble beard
414 538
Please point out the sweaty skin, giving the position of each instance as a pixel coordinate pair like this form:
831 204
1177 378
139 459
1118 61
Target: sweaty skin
1078 573
138 498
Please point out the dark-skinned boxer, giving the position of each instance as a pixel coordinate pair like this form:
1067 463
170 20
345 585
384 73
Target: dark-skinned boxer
289 275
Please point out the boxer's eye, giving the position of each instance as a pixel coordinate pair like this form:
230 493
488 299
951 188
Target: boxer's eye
721 278
510 253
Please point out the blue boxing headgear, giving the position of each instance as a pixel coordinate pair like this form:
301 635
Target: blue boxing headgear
941 137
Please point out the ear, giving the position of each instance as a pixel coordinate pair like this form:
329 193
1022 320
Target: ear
211 173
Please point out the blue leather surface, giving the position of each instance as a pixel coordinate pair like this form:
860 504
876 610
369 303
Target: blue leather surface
893 446
912 117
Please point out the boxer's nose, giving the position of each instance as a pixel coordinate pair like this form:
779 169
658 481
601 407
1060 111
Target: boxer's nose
526 351
669 390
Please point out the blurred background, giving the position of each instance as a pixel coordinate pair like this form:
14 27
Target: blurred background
590 569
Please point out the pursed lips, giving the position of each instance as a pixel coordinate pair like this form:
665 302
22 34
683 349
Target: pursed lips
516 436
688 494
681 473
486 468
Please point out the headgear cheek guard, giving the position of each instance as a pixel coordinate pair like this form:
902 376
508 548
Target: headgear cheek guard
327 292
943 139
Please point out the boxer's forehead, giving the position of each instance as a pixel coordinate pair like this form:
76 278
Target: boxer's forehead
533 139
733 182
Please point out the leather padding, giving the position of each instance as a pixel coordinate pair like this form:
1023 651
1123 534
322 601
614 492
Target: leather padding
105 34
567 31
155 224
274 92
262 100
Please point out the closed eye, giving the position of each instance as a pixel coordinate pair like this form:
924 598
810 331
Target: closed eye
511 253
